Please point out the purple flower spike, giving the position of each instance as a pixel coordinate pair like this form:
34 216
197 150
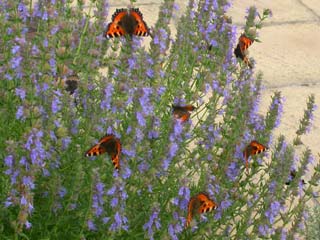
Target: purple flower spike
141 119
91 225
233 171
21 93
154 222
28 224
273 211
20 113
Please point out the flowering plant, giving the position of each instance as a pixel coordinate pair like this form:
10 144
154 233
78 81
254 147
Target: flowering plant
64 86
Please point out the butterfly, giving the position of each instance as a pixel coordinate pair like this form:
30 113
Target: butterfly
109 144
127 21
182 112
292 176
252 149
72 83
201 203
241 50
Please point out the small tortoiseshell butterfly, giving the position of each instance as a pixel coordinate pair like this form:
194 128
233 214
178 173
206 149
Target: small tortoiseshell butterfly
127 21
241 50
110 145
252 149
293 174
72 83
182 112
201 203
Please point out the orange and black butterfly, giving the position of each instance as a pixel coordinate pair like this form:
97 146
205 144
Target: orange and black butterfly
252 149
182 112
127 21
201 203
241 50
110 145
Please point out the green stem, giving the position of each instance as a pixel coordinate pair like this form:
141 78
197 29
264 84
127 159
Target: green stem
82 35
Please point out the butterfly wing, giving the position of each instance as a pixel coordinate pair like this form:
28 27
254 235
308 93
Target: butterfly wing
115 28
72 83
238 53
207 205
244 43
108 144
246 157
257 148
191 210
184 117
100 147
242 46
252 149
115 157
141 28
189 107
182 113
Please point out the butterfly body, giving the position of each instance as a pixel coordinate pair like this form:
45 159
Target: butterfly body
241 50
127 22
201 203
182 112
108 144
253 148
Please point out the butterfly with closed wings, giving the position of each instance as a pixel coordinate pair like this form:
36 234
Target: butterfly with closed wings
241 50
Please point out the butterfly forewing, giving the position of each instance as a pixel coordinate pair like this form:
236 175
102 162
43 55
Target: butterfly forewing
141 28
114 28
206 203
192 209
115 155
95 151
244 43
257 148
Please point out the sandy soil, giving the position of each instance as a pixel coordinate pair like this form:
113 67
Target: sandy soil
288 56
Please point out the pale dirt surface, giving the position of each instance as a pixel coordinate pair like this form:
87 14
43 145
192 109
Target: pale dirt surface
288 55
